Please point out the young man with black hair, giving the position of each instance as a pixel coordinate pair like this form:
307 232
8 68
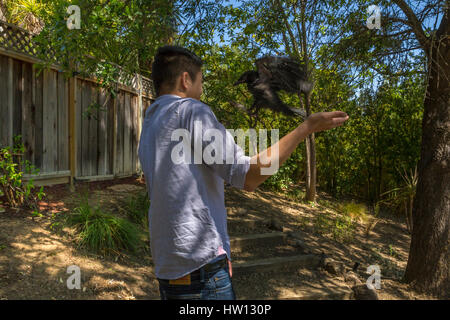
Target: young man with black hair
187 217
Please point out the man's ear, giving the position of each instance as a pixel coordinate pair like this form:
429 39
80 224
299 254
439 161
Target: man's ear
185 80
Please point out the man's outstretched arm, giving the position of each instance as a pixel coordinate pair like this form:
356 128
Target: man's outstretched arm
314 123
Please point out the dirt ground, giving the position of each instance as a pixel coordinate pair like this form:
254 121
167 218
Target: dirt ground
35 253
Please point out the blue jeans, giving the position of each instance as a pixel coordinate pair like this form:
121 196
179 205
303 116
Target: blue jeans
210 283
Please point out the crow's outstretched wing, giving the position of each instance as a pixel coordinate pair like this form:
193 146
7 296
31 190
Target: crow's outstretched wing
283 73
274 74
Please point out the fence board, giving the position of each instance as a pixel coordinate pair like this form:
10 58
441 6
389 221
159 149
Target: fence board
102 133
5 106
17 97
86 168
119 132
28 112
38 106
134 127
50 126
93 131
111 133
78 124
127 146
63 123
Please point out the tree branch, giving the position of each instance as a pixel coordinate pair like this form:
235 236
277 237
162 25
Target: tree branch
415 24
288 29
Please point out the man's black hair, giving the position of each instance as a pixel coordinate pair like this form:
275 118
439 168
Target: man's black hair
170 62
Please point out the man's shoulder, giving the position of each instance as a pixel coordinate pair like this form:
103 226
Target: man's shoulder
190 105
191 102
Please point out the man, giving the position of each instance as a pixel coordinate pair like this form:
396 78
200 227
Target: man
187 216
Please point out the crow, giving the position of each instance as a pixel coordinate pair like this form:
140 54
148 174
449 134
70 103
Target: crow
274 74
283 73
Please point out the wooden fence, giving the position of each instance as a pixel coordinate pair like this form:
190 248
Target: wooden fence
63 135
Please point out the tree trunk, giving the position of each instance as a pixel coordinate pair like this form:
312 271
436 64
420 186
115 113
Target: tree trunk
308 166
310 144
428 267
311 166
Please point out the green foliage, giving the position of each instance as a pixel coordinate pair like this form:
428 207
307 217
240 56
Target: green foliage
102 232
343 229
363 157
24 13
402 198
322 223
12 168
116 39
355 211
296 194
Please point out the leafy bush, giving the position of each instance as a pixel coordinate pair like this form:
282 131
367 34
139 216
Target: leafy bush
13 189
101 232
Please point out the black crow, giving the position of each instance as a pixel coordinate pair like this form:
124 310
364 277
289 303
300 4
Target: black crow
283 73
274 74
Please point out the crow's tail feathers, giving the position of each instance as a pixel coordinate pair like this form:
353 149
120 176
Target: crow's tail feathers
299 112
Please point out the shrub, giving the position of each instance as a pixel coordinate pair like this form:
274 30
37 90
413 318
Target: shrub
13 189
402 198
101 232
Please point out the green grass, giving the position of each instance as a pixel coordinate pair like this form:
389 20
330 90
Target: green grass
295 194
136 208
322 223
102 232
355 211
342 228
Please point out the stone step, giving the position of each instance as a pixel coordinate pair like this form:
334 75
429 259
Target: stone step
246 226
324 293
240 243
280 264
301 284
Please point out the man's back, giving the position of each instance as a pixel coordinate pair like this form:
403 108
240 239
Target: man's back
187 213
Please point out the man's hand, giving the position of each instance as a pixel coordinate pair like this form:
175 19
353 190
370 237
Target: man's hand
321 121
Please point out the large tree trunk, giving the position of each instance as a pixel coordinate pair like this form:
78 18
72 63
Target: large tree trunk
428 266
